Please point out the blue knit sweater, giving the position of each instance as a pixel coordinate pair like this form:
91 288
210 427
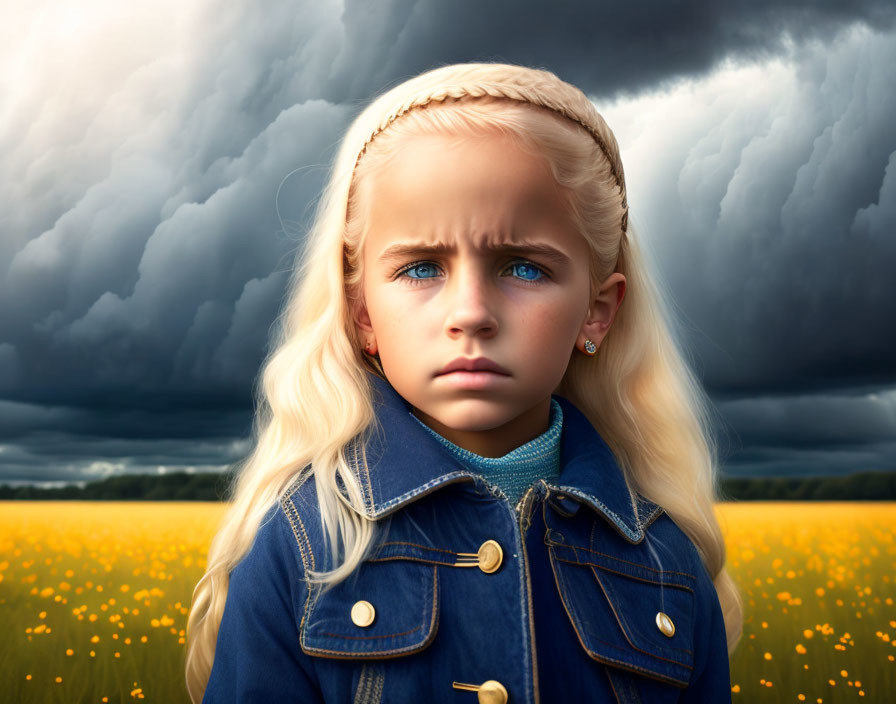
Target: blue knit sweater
520 468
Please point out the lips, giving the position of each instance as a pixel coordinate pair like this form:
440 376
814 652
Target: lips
479 364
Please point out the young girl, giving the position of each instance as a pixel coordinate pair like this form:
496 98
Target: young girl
466 486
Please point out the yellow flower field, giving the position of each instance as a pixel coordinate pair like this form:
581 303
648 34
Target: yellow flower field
817 581
94 599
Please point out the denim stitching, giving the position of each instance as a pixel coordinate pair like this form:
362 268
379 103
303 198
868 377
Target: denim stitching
519 541
559 509
287 505
613 686
635 537
416 558
361 693
370 684
393 635
419 490
559 575
413 559
366 487
628 690
292 514
657 510
416 545
630 575
378 684
389 635
626 629
563 589
611 598
661 582
630 665
576 548
434 620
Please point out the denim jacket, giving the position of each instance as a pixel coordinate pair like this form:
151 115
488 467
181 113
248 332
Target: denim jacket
578 593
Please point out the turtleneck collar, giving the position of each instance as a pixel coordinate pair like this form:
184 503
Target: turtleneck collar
521 467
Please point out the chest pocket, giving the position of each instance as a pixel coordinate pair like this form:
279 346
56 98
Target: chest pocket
627 613
386 608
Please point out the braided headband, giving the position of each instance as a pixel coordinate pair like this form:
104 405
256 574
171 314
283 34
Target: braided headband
615 164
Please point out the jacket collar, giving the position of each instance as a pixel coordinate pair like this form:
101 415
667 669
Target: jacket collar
418 464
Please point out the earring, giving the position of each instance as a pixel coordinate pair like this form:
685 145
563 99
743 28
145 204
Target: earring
590 348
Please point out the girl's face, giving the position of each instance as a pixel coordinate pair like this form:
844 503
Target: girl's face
471 256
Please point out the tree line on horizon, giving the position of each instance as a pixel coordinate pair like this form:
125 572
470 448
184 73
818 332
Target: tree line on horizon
214 486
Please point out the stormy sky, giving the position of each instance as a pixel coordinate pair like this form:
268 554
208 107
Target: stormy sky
158 165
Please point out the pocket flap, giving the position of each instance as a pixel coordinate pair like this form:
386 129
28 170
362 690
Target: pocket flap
613 605
404 595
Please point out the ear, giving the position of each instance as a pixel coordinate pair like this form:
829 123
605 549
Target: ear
361 318
602 311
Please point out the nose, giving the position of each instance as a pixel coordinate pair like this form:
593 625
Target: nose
471 305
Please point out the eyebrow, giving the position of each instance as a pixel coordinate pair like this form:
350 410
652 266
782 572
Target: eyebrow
402 250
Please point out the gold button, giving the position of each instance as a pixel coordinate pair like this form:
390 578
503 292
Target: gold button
363 613
490 557
664 623
489 692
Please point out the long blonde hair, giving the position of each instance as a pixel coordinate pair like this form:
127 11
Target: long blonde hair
315 397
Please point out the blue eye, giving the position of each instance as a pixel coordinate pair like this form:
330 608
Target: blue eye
417 268
526 271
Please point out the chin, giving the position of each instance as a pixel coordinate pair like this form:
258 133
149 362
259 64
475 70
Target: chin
473 420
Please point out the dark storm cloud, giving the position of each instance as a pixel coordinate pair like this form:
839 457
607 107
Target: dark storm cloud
53 444
189 304
603 47
771 207
768 200
819 433
53 459
142 260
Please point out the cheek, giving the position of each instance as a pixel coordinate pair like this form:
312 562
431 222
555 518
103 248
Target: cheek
379 308
554 322
397 323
